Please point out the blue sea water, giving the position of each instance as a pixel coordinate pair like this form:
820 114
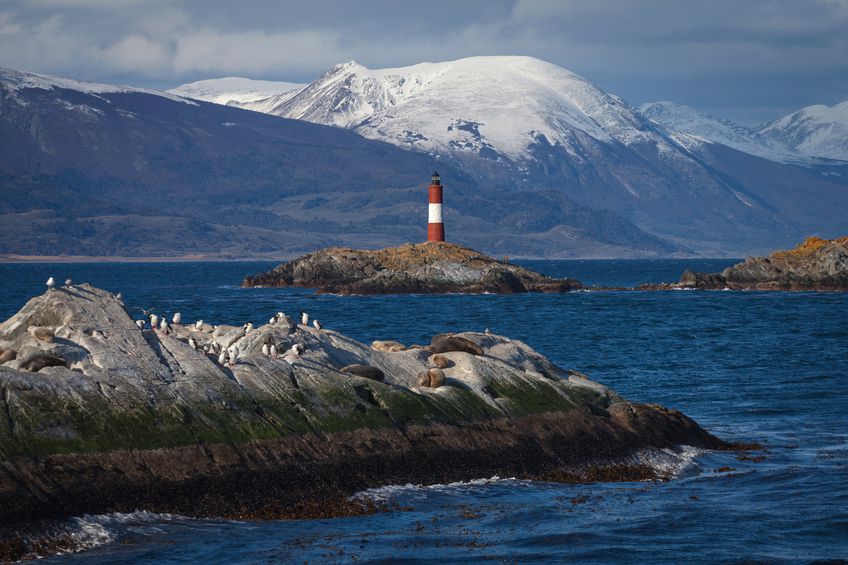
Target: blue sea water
749 366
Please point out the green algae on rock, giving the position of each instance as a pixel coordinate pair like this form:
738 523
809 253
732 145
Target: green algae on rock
138 419
430 267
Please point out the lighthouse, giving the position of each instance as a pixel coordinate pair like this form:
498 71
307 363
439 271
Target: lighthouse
435 227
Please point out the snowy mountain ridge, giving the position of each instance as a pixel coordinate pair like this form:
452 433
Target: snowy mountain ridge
17 80
712 129
234 91
817 130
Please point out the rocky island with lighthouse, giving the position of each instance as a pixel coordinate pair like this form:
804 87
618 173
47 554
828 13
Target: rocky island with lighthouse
435 266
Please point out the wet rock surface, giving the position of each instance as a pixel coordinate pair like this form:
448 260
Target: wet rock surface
816 264
140 419
431 267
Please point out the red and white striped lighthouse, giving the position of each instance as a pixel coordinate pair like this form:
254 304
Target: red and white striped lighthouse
435 227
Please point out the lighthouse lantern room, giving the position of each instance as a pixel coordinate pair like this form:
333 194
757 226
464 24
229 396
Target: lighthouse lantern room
435 226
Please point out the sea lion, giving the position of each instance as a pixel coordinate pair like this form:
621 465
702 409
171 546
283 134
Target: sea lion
441 361
443 343
367 371
41 333
424 378
437 377
388 345
41 360
7 355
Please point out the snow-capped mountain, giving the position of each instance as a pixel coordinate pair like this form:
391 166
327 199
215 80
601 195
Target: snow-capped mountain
819 130
706 127
234 91
520 123
494 106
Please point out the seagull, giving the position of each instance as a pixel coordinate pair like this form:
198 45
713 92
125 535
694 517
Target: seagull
248 327
68 282
177 318
50 283
293 353
154 321
317 325
222 358
233 353
272 351
163 325
198 325
304 318
266 350
192 343
140 324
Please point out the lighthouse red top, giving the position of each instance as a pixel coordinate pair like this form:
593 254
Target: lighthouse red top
435 226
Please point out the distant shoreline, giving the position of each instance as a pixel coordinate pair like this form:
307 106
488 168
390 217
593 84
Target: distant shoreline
12 258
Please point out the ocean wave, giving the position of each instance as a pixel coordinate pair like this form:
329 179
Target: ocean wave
390 492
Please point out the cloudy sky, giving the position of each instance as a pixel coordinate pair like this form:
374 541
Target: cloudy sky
748 60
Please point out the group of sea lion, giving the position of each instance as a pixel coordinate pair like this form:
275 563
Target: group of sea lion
433 377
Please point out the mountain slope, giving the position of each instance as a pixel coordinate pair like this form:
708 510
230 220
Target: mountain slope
518 123
818 130
234 91
101 170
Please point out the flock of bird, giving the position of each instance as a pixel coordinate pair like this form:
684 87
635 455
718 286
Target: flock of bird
226 356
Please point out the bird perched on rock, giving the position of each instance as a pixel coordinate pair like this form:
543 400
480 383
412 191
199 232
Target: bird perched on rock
177 318
272 351
69 282
222 358
154 320
198 325
50 283
317 325
119 296
140 324
304 318
266 349
248 327
232 354
293 353
164 326
192 343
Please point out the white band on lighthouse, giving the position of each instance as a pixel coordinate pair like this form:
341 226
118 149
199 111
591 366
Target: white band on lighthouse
435 214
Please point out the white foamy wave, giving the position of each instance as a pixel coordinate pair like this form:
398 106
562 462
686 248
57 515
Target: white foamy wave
671 463
390 492
89 531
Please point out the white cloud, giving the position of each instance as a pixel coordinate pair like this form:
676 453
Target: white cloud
248 52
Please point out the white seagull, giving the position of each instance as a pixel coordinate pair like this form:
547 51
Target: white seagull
317 325
177 318
50 283
304 318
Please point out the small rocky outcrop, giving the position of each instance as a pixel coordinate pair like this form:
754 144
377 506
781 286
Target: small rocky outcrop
431 267
816 264
291 423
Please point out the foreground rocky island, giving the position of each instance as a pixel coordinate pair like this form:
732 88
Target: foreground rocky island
815 264
101 413
430 267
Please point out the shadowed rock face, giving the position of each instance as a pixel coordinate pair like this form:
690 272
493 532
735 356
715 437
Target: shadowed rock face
138 419
816 264
430 267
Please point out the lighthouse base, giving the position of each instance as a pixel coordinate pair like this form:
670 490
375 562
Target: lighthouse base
435 232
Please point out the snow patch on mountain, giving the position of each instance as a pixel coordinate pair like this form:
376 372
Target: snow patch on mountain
487 106
14 80
234 91
815 130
